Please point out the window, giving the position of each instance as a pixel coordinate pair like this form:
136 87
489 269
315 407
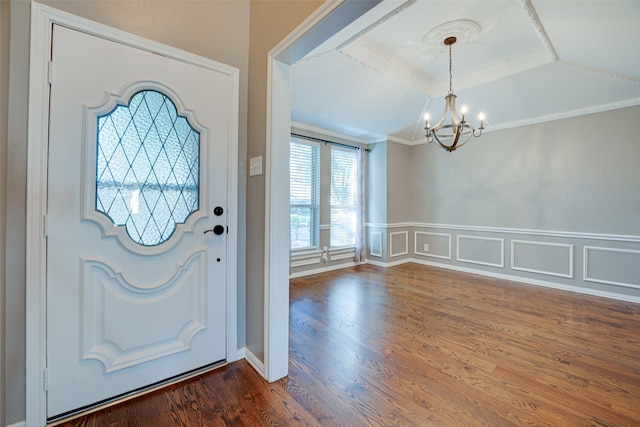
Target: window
147 167
304 190
344 179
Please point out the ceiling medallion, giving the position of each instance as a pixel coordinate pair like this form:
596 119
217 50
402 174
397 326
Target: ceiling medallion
464 30
456 132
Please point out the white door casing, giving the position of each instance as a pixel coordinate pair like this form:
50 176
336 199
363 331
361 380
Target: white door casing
121 315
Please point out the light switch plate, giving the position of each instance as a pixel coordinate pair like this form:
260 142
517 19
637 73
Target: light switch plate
255 166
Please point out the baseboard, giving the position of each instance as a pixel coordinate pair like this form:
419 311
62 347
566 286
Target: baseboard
241 353
254 362
529 281
388 264
324 269
18 424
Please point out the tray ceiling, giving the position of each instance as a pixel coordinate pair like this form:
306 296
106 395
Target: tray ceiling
530 61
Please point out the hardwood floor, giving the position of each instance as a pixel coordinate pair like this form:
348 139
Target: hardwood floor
419 346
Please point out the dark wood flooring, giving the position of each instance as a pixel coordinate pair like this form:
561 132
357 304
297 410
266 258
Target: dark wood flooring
419 346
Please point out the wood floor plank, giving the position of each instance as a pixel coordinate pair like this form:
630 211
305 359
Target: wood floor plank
413 345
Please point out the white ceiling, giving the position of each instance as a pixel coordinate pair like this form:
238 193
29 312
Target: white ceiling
531 61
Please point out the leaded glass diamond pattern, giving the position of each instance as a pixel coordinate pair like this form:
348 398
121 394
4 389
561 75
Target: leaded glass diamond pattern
147 169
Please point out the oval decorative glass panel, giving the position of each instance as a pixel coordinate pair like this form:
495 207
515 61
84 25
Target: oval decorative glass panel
147 167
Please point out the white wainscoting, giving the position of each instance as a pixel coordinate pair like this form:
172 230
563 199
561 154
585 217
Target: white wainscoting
401 239
432 244
306 259
487 251
375 241
538 257
610 269
331 259
612 266
339 254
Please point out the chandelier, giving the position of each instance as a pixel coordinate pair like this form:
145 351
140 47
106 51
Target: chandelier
457 131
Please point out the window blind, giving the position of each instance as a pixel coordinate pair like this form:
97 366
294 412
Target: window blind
304 190
344 179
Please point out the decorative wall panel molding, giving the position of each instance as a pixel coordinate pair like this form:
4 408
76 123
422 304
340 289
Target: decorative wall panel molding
435 245
375 247
549 253
612 266
117 312
553 259
305 262
487 251
340 254
400 240
305 258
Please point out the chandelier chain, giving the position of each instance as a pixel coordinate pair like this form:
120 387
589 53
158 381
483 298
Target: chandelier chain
450 66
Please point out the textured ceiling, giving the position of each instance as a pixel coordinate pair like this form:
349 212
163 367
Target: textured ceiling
530 61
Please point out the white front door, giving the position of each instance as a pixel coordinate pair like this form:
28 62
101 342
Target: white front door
137 175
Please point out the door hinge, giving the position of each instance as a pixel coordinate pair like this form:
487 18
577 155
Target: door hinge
45 225
45 379
50 73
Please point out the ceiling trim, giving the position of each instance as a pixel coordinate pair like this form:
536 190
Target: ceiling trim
601 72
567 114
539 29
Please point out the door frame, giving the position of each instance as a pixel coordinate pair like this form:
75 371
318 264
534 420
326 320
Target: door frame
331 17
42 19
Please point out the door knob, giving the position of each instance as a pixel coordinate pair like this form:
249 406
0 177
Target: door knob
217 230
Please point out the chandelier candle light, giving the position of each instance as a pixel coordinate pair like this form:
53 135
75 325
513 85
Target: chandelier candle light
457 131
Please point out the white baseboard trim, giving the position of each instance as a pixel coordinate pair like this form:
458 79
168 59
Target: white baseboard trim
323 269
241 353
255 362
388 264
18 424
553 285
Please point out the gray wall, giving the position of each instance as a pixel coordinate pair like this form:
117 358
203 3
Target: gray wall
555 203
15 212
578 174
211 26
400 179
376 184
5 27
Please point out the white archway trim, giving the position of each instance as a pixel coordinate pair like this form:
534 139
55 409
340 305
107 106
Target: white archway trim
326 21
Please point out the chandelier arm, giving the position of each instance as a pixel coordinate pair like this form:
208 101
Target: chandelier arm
456 143
429 137
446 147
438 125
456 137
464 141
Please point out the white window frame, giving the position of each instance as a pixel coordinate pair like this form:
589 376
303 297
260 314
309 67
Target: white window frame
332 205
314 206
